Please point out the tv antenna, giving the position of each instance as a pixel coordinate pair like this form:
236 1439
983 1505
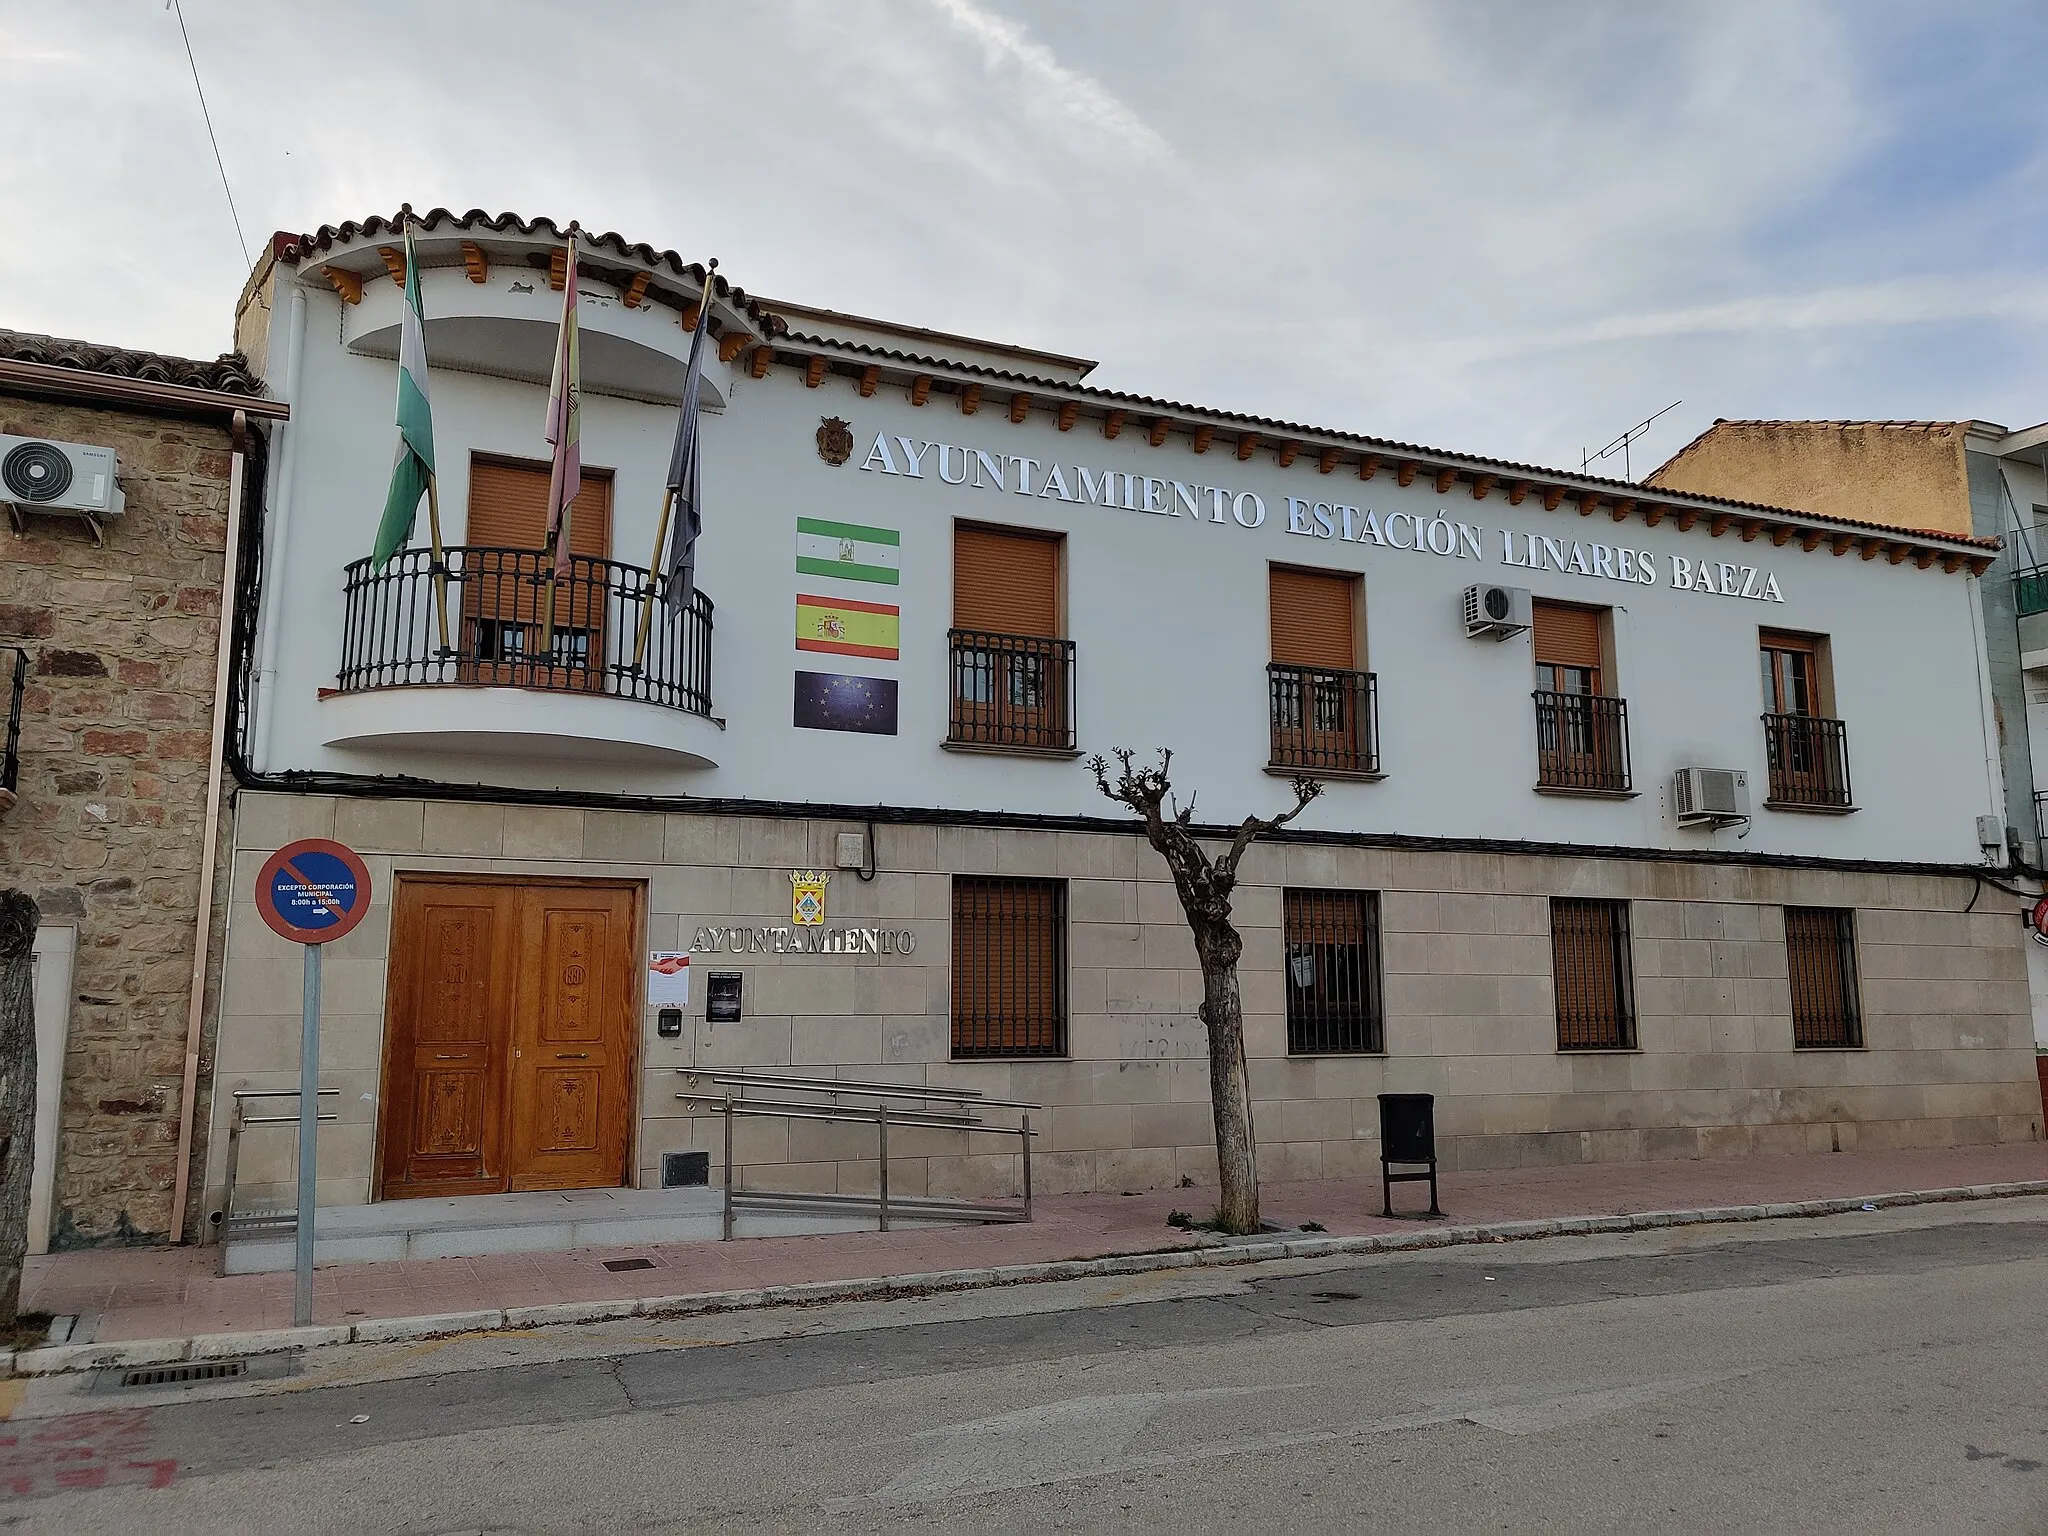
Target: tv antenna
1621 445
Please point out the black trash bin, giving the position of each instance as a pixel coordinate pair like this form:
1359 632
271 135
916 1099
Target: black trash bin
1408 1138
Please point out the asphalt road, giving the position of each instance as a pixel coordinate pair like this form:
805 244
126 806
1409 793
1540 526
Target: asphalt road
1883 1372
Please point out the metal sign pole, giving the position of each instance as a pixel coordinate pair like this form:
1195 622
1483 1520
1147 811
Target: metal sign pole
309 1131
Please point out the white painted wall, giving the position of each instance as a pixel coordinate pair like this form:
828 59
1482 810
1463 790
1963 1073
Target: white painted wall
1169 616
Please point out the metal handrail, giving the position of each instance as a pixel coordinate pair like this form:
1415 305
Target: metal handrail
848 1085
228 1224
791 1111
881 1117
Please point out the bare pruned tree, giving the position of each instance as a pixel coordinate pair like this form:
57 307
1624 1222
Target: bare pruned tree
18 919
1205 885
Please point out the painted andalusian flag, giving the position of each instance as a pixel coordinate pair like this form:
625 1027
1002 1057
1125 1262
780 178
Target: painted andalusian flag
843 627
415 463
847 550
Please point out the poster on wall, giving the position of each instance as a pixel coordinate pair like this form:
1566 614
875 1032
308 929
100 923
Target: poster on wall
836 701
668 978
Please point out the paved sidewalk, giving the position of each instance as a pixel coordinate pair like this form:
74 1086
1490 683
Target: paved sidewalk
156 1293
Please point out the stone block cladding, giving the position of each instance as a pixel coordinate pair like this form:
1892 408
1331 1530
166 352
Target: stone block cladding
115 740
1949 1058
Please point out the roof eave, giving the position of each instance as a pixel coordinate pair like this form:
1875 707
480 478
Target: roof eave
1589 492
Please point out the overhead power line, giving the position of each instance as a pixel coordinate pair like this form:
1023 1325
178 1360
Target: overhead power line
177 10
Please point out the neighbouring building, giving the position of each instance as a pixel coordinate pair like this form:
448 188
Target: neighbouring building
112 672
1971 477
1571 874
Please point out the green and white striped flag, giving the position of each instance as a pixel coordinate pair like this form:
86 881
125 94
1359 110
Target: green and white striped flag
414 466
849 551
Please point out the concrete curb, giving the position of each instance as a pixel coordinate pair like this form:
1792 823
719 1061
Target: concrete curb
54 1358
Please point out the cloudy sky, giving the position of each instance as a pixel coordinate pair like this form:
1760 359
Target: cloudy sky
1512 227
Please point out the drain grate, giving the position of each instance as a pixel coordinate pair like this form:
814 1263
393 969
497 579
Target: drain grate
620 1266
180 1375
198 1373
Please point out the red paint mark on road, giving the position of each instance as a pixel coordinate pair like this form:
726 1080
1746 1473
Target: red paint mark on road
84 1450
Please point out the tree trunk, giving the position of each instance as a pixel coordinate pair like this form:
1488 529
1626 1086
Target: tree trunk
18 918
1230 1094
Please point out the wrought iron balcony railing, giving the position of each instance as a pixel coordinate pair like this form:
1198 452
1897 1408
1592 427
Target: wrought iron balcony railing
1323 719
496 608
1809 761
1582 742
1011 691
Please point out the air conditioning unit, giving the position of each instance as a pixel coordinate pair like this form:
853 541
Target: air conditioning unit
1710 797
41 476
1496 611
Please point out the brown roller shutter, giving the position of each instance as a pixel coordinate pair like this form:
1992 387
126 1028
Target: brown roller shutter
1313 619
508 509
1005 583
1009 967
1567 637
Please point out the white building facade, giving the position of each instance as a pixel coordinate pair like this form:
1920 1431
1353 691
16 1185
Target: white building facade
934 575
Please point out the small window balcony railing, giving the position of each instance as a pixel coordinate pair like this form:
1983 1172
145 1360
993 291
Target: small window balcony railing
1809 761
14 678
1323 720
2030 590
1013 691
495 607
1582 743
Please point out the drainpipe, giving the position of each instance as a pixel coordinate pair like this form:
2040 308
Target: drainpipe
1987 707
209 834
284 469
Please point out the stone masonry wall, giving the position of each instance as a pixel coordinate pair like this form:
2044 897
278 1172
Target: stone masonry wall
115 740
1469 1003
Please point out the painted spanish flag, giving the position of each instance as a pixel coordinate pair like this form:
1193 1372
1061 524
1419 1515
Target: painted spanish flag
847 628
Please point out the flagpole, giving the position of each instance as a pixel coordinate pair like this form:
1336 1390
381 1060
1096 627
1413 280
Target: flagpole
560 533
668 499
439 566
440 562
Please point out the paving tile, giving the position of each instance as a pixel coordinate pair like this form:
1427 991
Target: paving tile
158 1293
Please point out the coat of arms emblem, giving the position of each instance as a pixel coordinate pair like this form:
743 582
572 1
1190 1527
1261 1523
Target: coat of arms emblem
835 439
807 901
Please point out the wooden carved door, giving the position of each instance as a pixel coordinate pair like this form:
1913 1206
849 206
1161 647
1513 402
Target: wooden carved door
508 1060
572 1038
454 951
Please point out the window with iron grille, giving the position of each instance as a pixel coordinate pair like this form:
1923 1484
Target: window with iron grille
1595 980
1332 945
1009 967
1820 950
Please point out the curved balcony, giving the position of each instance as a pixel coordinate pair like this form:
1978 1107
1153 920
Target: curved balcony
468 660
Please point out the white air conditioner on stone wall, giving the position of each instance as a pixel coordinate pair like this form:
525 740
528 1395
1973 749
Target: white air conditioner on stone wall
1496 611
37 475
1709 797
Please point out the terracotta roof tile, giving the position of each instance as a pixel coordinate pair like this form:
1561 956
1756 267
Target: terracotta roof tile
227 374
1441 456
294 248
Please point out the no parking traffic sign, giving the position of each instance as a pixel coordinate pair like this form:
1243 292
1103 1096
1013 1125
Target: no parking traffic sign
313 891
